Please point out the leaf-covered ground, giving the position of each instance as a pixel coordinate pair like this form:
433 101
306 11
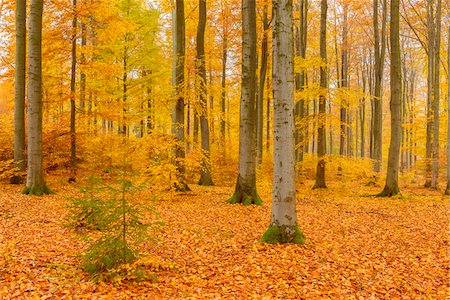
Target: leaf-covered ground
357 247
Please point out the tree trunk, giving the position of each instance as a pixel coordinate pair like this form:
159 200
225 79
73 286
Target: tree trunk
391 188
205 173
447 190
283 226
343 149
178 110
262 81
378 100
35 176
436 98
321 144
223 91
73 149
19 91
245 191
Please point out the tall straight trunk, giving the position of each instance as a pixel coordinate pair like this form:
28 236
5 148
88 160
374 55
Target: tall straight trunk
223 91
245 191
283 226
436 98
430 92
82 66
262 81
205 173
19 90
391 188
362 117
268 114
343 148
321 144
379 67
300 49
73 145
447 190
178 109
35 174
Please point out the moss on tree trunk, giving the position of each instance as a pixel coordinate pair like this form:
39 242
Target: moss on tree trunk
245 195
283 235
37 190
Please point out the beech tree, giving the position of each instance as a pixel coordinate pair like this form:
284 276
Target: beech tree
391 188
35 175
447 190
19 90
205 173
178 110
321 142
245 191
283 226
73 151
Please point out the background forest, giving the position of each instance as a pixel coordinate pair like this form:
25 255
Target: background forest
149 111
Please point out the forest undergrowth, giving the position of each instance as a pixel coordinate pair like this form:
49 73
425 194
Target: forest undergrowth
356 246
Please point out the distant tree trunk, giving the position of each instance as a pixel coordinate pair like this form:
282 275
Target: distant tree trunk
245 191
321 144
378 100
82 66
205 173
35 175
436 98
268 114
391 188
262 81
283 226
362 117
447 190
73 149
178 110
343 148
223 91
19 90
300 49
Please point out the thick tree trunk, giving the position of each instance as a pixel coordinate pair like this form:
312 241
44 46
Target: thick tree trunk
283 226
391 188
321 144
73 145
262 81
35 176
205 173
245 191
378 100
436 98
178 109
19 91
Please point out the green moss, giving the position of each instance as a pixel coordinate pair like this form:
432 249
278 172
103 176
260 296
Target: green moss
246 200
283 234
389 192
37 190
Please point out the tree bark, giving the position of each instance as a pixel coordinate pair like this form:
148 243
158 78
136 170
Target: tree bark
245 191
178 109
321 144
447 190
73 145
19 91
205 173
35 175
436 98
378 99
262 81
391 188
283 226
343 148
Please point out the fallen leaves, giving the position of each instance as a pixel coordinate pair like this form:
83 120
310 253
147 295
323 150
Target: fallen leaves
357 247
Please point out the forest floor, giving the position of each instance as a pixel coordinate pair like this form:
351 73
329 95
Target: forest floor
357 246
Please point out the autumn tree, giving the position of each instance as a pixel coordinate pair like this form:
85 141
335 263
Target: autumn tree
380 52
35 184
73 151
178 110
283 226
447 190
321 142
245 191
19 90
391 188
205 173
